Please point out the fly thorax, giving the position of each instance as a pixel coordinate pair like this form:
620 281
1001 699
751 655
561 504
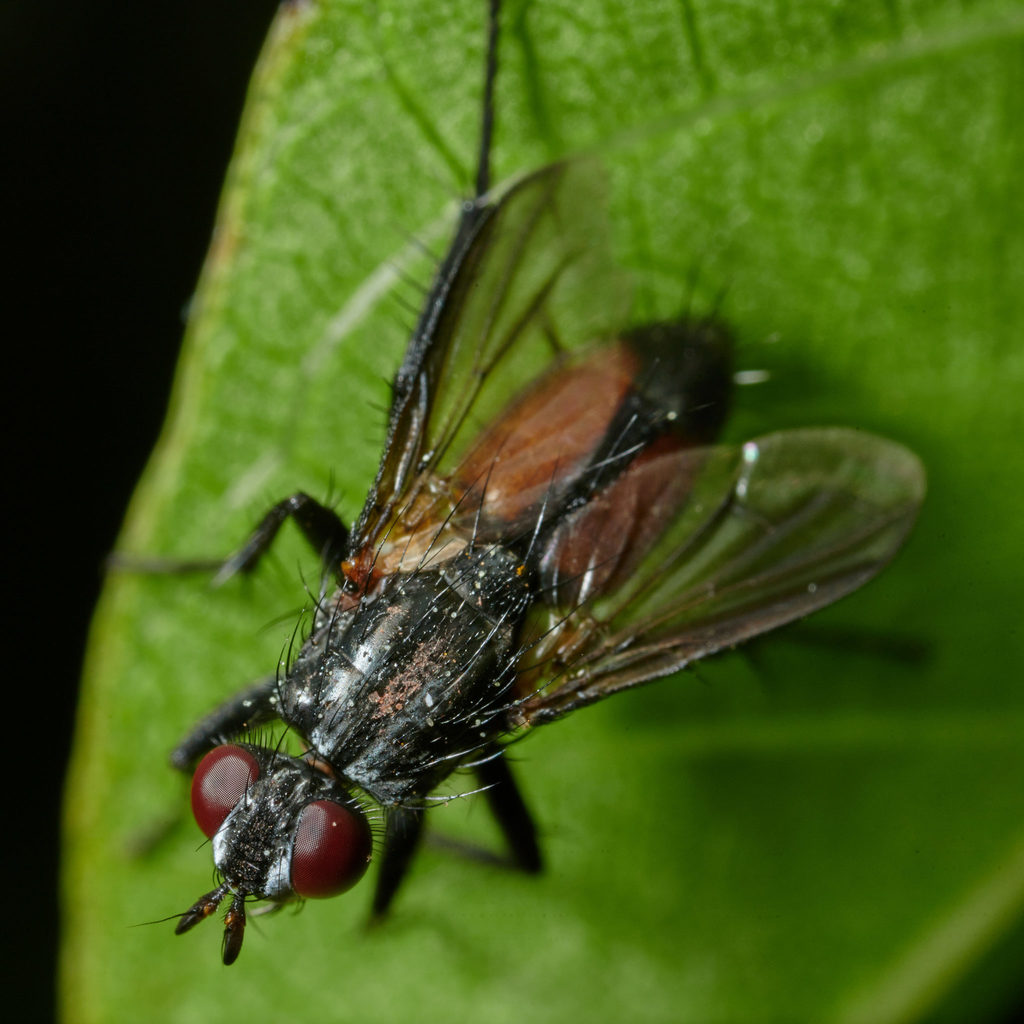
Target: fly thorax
493 581
419 676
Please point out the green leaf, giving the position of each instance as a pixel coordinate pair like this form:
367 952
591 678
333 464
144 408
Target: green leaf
821 832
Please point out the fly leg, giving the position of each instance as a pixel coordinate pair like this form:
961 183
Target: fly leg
321 527
252 706
512 815
510 810
255 704
402 831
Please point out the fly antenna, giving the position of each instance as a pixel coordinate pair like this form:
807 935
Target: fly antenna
483 169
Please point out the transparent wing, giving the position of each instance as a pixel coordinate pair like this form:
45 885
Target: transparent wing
526 279
699 550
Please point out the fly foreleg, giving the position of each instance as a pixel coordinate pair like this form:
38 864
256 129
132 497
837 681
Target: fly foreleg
252 706
402 831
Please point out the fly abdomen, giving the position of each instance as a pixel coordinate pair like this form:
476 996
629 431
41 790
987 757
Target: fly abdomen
417 678
581 425
684 381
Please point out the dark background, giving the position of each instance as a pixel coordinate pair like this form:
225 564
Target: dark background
118 121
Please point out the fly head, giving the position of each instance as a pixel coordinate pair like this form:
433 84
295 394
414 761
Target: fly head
281 829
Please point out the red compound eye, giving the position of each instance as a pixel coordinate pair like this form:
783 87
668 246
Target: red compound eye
220 781
331 850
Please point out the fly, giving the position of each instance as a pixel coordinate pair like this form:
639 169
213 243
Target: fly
588 537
